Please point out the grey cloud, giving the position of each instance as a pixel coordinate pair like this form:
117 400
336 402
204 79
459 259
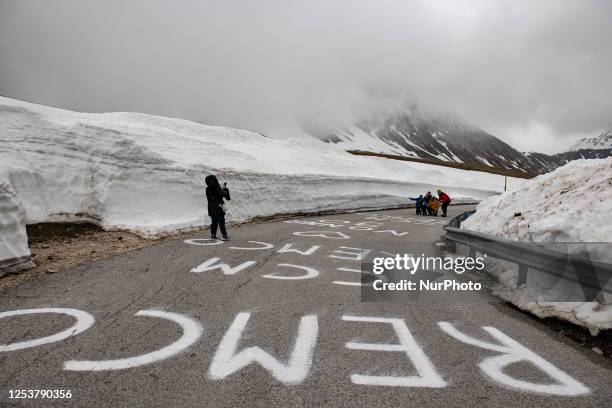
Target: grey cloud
533 73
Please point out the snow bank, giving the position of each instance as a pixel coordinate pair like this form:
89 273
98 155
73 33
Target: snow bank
571 204
14 251
146 173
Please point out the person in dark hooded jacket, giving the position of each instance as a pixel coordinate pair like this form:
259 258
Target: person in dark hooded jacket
215 195
426 200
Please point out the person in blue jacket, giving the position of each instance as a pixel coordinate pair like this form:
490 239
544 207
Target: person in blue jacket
419 204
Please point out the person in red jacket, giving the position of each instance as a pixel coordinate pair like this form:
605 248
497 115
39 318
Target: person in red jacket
444 200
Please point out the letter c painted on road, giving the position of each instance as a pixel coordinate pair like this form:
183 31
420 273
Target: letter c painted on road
84 322
192 331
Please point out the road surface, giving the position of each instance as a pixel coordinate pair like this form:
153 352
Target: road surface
275 318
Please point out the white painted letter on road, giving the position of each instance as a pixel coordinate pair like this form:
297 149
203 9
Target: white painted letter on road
380 277
84 322
310 273
192 331
355 254
393 232
513 352
427 374
289 248
322 234
264 245
215 263
227 361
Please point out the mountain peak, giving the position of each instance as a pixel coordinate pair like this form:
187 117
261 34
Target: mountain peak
603 141
416 131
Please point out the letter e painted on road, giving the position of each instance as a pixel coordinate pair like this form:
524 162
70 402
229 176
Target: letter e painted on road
427 376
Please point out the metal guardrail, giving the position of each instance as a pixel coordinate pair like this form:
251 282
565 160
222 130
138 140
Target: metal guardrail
456 222
591 275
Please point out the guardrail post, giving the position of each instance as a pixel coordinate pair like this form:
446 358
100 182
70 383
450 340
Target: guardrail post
522 275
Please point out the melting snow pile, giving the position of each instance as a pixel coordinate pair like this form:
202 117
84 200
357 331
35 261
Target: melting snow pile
146 173
14 251
571 204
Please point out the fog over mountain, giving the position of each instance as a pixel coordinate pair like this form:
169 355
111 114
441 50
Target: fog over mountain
534 74
415 132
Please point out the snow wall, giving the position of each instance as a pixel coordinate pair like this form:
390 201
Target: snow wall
145 173
14 251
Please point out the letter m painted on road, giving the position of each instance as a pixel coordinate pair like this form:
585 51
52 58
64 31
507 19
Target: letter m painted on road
229 360
215 263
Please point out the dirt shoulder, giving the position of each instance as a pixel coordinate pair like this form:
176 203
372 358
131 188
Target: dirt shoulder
56 247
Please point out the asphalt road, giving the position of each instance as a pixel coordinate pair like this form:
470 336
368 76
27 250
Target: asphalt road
163 327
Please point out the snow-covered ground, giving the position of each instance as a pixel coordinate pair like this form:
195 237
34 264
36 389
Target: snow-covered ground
571 204
145 173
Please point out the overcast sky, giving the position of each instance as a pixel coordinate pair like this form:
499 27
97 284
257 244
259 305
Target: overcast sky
534 73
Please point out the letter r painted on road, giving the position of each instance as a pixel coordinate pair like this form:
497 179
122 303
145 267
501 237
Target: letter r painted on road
514 352
427 374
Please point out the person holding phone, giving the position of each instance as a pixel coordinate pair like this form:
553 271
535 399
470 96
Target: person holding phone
215 194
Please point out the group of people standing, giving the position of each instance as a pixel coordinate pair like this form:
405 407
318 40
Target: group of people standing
430 204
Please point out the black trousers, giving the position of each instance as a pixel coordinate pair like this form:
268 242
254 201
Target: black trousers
218 221
444 207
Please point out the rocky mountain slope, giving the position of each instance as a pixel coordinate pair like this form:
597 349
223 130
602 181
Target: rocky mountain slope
416 133
603 141
598 147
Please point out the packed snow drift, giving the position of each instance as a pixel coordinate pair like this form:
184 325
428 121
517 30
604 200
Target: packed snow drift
14 251
145 173
571 204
